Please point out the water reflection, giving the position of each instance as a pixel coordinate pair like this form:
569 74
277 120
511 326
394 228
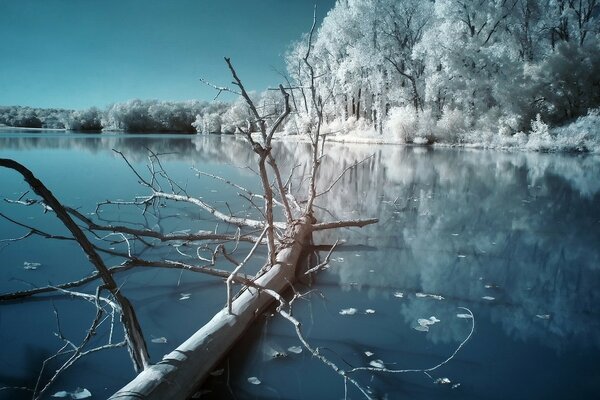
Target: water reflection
521 228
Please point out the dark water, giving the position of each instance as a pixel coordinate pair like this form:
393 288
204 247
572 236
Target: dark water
513 237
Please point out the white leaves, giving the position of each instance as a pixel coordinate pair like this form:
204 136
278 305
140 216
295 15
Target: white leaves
78 393
185 296
377 364
31 265
488 298
254 380
161 340
295 349
432 296
465 316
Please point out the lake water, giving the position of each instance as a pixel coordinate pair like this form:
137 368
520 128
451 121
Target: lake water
513 237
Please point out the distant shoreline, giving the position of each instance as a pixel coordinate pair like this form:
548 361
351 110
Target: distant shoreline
22 128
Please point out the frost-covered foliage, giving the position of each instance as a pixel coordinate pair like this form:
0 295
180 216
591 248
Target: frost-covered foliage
84 120
29 117
452 71
156 116
131 116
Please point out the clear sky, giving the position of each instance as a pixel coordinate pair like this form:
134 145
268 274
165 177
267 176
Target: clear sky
82 53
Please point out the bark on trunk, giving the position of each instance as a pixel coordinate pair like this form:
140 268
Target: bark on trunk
181 372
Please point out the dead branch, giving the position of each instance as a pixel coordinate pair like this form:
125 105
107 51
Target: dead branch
325 262
239 267
32 231
190 237
251 223
135 339
425 370
219 89
336 180
235 185
357 223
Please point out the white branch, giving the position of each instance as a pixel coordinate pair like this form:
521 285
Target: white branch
239 267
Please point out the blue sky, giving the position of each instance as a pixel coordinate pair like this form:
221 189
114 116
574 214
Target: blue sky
82 53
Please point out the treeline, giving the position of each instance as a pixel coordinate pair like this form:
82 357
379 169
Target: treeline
147 116
433 70
131 116
450 71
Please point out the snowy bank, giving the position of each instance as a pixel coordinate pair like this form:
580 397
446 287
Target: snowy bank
581 135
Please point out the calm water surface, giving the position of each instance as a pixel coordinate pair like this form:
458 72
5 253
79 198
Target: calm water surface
513 237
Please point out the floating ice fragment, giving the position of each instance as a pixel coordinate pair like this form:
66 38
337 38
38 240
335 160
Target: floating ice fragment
368 353
77 394
295 349
442 381
461 256
348 311
543 316
369 311
455 234
433 296
185 296
81 394
217 372
466 316
399 295
274 351
377 364
357 255
31 265
422 328
254 380
161 339
427 321
488 298
339 259
456 385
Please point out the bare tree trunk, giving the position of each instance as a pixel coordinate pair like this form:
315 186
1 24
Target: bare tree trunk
181 372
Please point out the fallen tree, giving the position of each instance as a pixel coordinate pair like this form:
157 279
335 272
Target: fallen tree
182 371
